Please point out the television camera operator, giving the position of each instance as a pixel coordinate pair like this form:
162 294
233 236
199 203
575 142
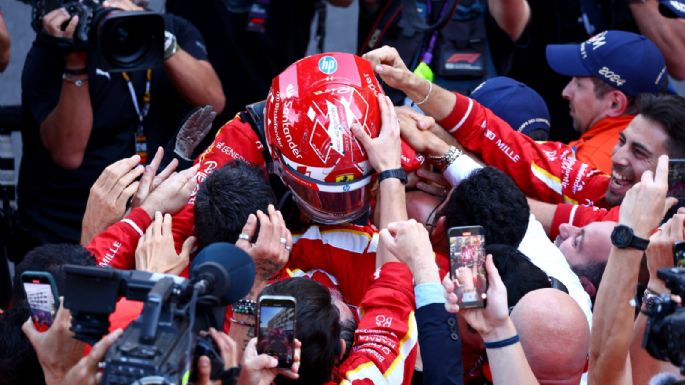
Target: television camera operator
83 112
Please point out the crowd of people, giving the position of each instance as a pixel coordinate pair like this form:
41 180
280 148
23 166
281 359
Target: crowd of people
344 195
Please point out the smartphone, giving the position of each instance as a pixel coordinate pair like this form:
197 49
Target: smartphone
676 184
276 333
679 254
467 263
42 297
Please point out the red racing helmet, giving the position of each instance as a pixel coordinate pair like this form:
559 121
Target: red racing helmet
309 111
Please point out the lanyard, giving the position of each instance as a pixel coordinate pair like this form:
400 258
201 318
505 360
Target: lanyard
140 139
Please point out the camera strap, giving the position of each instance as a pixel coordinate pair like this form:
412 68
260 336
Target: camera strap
140 139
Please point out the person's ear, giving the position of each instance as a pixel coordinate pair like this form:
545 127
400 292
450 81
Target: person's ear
340 349
619 103
439 230
588 286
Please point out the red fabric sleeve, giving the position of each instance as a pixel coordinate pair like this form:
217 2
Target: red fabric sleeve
116 246
545 171
385 342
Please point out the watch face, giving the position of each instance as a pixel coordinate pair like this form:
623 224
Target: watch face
621 236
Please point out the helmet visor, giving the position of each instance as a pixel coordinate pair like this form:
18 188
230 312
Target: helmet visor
329 203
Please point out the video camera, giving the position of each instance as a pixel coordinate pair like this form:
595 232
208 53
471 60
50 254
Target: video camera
123 40
664 337
161 345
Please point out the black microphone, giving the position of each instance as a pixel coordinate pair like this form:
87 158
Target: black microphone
222 273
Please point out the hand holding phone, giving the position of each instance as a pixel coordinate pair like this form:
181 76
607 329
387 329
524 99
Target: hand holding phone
276 333
42 297
467 264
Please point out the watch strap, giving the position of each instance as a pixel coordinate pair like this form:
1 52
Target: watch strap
398 173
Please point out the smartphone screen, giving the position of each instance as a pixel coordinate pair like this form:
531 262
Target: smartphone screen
679 254
467 264
676 184
41 295
277 328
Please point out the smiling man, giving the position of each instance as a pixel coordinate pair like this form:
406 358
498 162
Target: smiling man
608 72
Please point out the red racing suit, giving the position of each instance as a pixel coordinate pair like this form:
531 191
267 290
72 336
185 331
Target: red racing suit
546 171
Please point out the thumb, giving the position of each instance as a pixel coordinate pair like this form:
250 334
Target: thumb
670 202
493 275
264 361
187 247
387 239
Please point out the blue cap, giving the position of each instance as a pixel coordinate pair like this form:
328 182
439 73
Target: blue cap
626 61
672 8
515 103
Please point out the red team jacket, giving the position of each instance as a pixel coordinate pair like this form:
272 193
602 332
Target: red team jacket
546 171
385 341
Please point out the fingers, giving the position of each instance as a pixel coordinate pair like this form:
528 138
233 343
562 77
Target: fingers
112 173
432 189
100 348
661 173
389 124
164 174
227 346
249 231
188 246
361 135
388 240
451 299
157 225
63 315
166 225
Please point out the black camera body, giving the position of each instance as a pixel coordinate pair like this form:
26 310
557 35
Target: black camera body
664 336
157 348
163 343
122 40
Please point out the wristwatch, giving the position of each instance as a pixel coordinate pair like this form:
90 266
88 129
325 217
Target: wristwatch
398 173
623 237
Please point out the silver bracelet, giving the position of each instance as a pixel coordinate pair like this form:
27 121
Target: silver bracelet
425 99
443 161
70 79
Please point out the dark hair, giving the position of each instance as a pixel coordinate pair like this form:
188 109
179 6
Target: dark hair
318 328
491 199
519 274
669 112
225 200
50 258
18 361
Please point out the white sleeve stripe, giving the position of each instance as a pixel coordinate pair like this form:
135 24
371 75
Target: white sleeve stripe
134 225
573 215
463 119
